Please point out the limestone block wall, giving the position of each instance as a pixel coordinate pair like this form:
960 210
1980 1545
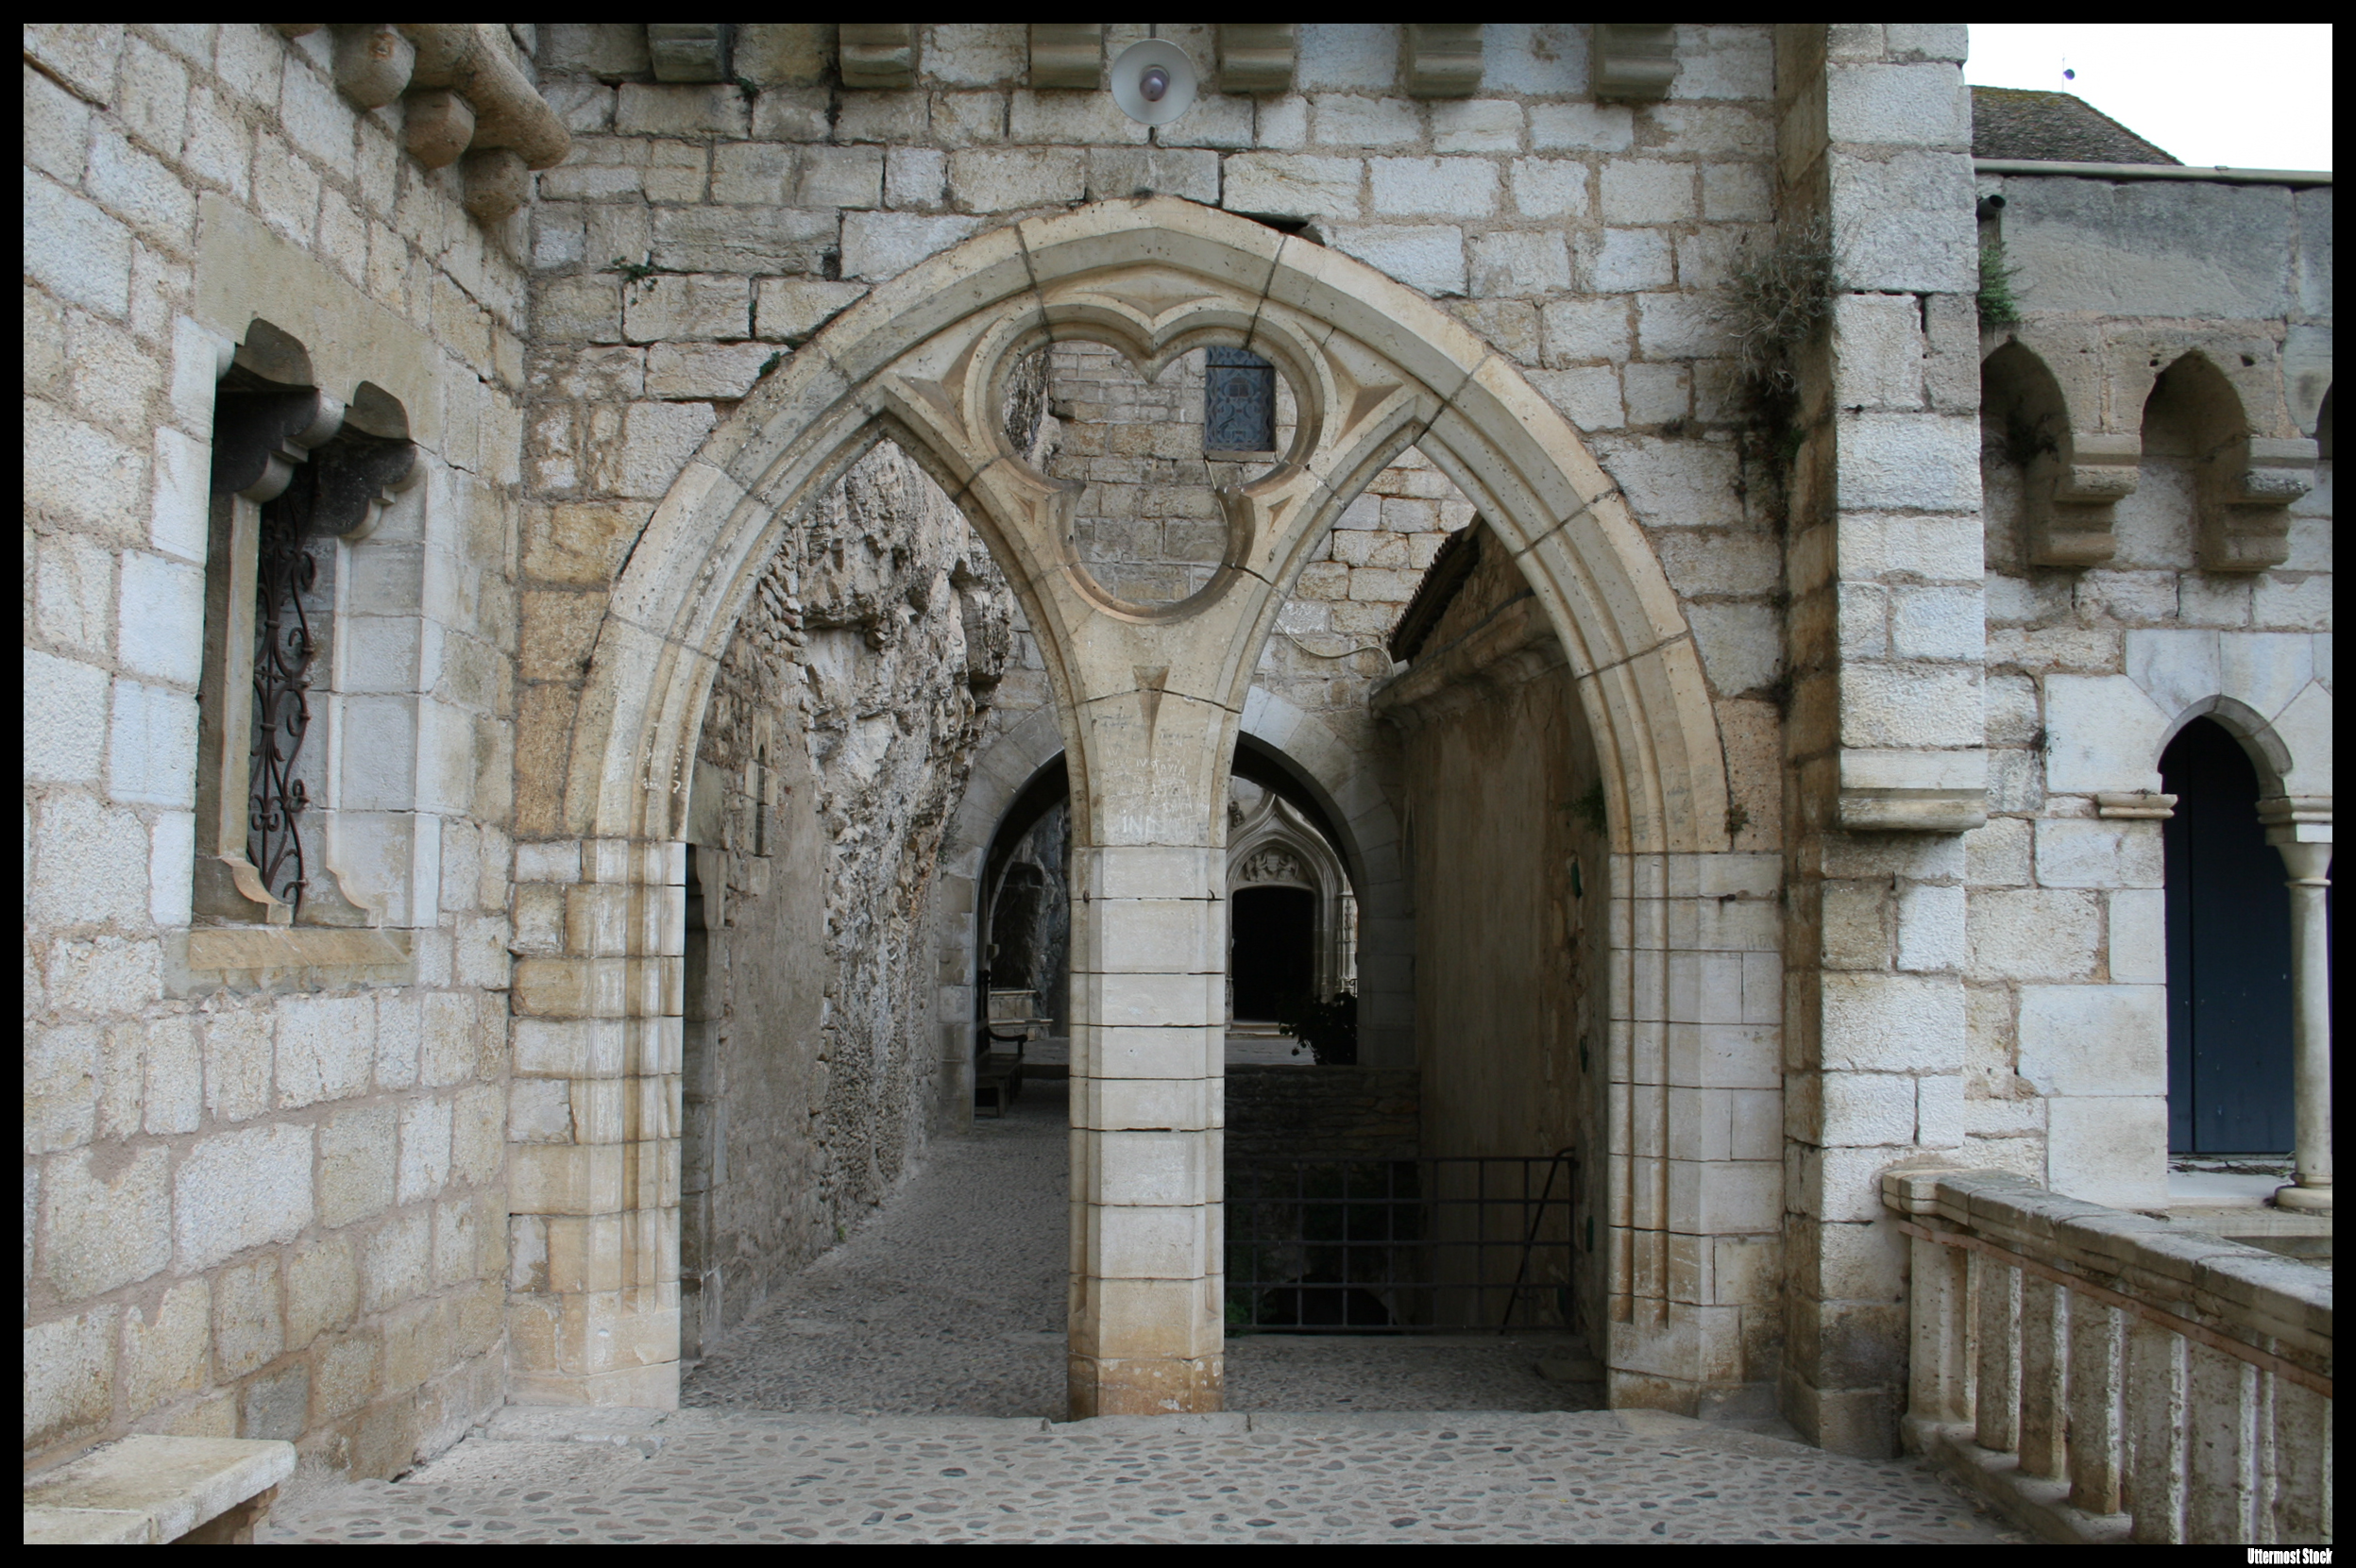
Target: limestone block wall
701 232
2174 320
266 1171
1885 738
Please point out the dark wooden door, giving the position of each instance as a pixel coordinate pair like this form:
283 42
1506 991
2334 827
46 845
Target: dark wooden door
1271 949
2229 956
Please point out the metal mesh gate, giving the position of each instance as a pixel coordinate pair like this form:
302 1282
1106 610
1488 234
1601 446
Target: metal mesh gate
1358 1246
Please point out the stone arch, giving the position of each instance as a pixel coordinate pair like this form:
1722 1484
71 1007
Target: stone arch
1277 845
2071 473
1343 782
1338 776
1148 702
1003 771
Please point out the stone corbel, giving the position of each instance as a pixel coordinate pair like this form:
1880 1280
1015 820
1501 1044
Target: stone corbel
465 96
1257 57
1906 791
688 51
878 54
2134 805
1633 60
1068 55
1443 59
2241 520
2069 495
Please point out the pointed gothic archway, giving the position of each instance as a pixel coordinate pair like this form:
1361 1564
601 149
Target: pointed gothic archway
1149 700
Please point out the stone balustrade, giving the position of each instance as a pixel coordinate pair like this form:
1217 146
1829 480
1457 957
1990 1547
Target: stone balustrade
2104 1376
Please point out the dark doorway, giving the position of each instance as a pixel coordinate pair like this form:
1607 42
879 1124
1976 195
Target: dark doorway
1271 932
2229 956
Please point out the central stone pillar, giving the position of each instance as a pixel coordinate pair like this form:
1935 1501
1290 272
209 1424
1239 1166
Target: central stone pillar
1148 991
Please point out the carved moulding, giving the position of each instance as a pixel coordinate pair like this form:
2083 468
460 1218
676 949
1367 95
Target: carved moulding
1443 59
1069 55
465 97
1257 57
877 53
2242 501
1152 316
1633 60
2071 494
1904 791
688 51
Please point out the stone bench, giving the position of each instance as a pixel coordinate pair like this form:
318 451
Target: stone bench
151 1491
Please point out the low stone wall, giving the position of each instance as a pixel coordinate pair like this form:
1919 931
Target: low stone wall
1337 1111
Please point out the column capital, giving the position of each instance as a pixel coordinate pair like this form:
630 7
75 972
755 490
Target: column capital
2297 819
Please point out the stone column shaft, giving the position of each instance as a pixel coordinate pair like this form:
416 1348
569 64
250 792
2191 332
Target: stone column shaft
2311 1026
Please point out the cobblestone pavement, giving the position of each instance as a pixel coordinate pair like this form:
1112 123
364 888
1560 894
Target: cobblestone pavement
706 1475
902 1388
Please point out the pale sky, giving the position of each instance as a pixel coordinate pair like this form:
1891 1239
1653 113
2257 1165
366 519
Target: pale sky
2255 96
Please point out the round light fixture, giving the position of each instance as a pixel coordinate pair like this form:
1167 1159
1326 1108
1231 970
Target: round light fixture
1153 81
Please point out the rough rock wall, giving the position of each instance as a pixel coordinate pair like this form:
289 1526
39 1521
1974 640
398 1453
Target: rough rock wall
835 746
1031 928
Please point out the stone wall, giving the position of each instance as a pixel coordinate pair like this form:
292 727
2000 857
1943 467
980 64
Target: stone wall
841 726
1506 848
265 1184
1340 1112
2092 667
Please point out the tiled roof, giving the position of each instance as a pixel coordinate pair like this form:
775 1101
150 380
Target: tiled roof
2056 127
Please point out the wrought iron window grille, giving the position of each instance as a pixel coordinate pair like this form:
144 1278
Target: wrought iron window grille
284 650
1239 402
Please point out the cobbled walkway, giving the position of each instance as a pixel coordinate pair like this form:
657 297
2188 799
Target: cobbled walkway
904 1388
703 1476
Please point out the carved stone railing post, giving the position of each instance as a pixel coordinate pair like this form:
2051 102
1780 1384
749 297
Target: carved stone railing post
1996 1349
2095 1439
2181 1382
2044 1364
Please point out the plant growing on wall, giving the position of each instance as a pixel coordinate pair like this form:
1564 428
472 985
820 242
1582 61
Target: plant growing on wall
1773 302
1998 305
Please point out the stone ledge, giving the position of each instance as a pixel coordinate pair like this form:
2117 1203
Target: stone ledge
283 957
151 1491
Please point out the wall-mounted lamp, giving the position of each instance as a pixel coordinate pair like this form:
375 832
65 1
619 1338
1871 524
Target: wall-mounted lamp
1153 81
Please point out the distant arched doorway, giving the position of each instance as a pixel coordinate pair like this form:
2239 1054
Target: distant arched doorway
1272 937
2229 956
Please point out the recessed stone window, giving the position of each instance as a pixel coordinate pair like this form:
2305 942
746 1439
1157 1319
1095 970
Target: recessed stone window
295 470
